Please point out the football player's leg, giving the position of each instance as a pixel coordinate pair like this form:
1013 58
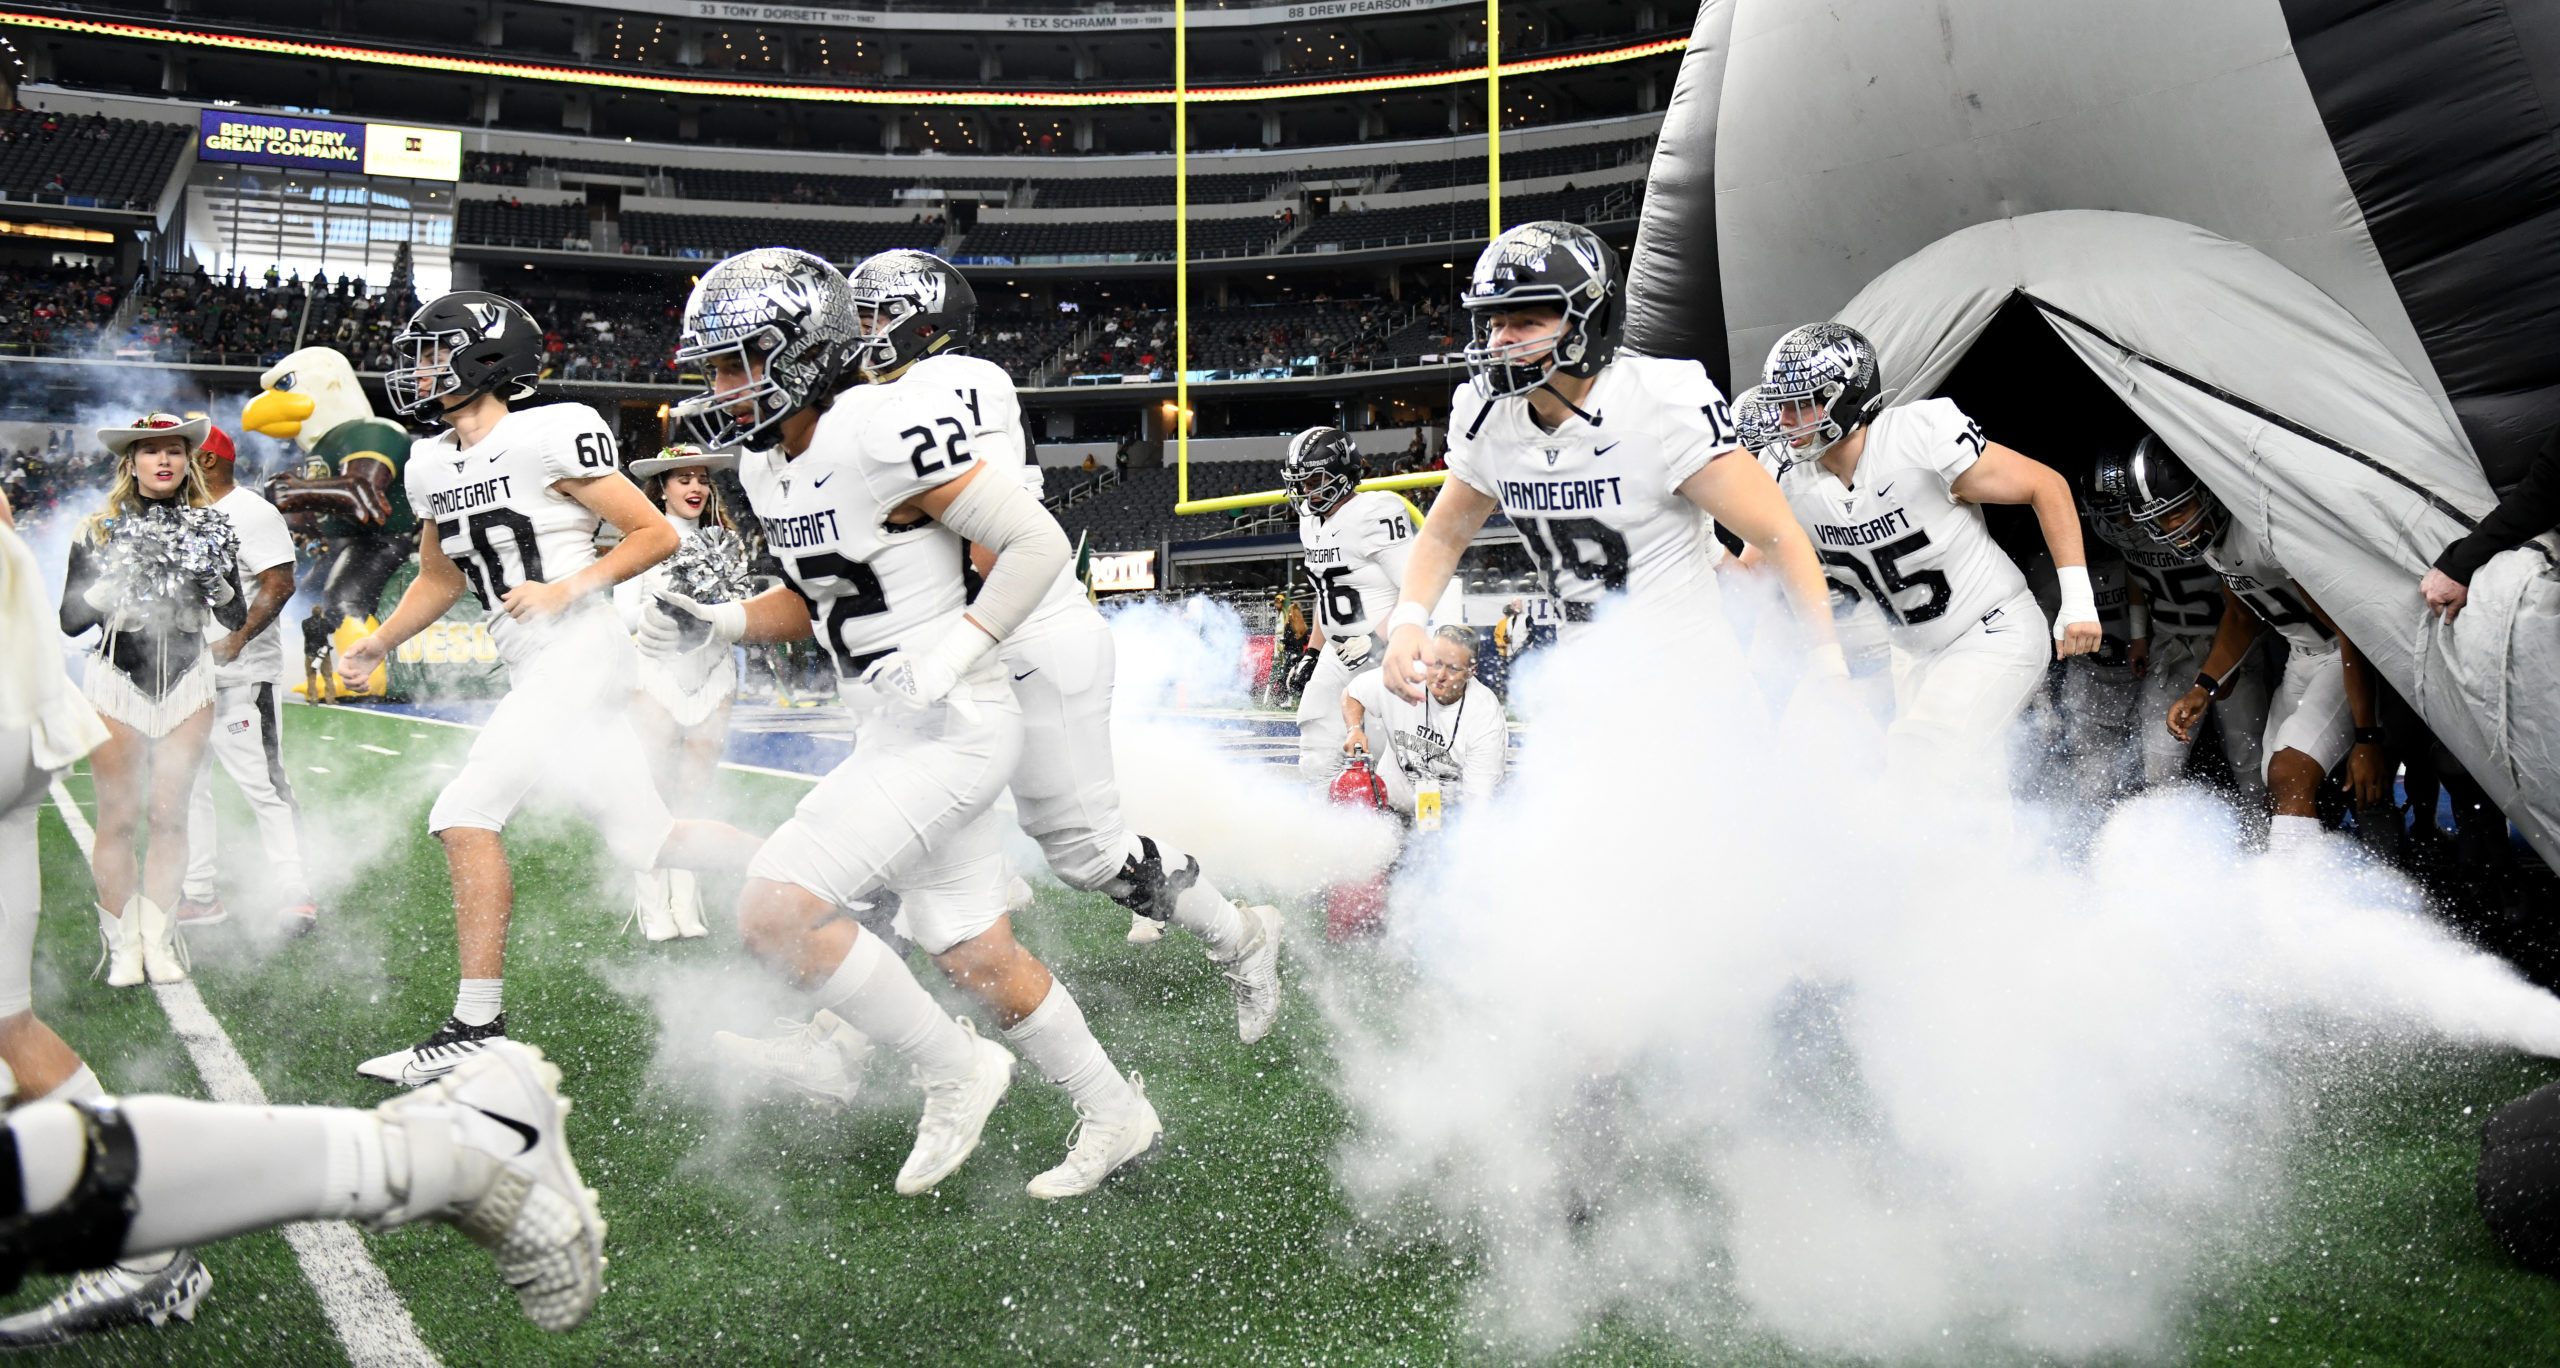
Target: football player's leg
2242 718
2309 733
953 900
1320 727
39 1059
1950 728
2174 662
484 1150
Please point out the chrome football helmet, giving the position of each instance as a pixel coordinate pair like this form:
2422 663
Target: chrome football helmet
1824 382
787 318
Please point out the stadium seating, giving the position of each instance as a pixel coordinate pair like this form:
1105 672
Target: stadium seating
711 237
69 159
1136 513
506 223
1147 239
1352 230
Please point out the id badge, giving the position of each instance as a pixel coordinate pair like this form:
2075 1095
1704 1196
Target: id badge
1426 808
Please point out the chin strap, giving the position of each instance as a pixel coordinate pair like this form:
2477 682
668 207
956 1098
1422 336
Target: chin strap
1548 385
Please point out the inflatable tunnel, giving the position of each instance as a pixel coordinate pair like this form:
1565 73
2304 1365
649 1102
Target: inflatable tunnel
2314 245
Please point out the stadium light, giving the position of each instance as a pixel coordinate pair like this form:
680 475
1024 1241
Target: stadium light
766 90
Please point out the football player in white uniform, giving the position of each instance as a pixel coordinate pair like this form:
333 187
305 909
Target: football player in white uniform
1892 497
2325 708
917 315
509 501
869 497
1356 545
1610 469
2174 606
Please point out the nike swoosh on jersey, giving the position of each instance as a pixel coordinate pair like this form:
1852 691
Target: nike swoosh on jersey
1884 489
531 1137
821 481
1026 674
1603 451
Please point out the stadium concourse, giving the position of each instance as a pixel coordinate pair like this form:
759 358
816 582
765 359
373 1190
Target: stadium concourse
1497 825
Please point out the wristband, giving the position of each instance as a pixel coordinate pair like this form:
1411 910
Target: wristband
2206 682
2079 601
1408 614
2138 620
1826 662
2369 736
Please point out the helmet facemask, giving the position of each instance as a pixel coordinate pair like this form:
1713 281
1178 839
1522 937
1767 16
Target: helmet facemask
430 359
2187 536
1803 424
1560 266
709 419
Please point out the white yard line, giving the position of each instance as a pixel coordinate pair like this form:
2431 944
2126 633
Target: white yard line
371 1320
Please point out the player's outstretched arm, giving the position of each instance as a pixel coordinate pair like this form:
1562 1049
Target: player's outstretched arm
2003 476
2231 640
1739 494
647 538
1030 549
428 597
1455 518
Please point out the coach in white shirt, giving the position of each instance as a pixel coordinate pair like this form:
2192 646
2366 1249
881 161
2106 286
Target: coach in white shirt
248 723
1447 750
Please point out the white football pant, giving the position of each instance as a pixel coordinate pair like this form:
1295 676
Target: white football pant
1066 791
248 738
1320 729
22 790
564 723
1952 708
910 810
2175 663
2309 711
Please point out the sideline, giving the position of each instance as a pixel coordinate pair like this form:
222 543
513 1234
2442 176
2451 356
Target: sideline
372 1322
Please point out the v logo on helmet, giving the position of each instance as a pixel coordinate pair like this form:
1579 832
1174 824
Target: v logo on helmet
491 318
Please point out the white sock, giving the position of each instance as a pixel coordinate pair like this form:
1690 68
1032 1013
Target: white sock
876 994
1202 910
210 1170
79 1087
2288 833
479 1001
1058 1043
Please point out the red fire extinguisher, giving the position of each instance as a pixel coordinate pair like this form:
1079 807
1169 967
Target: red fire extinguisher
1354 909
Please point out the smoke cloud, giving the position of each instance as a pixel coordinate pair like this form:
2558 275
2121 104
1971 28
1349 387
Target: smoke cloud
1714 1028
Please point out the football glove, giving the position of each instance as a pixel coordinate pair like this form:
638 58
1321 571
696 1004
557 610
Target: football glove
674 625
1354 651
920 679
1302 670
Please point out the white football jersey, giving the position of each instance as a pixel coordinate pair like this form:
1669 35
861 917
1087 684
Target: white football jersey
2250 568
1900 538
1598 501
1356 558
499 515
995 425
2185 596
870 587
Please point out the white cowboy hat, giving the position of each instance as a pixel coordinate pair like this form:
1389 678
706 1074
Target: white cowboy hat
120 440
683 458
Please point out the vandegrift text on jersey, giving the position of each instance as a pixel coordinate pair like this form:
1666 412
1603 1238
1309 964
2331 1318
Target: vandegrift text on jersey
464 498
1561 496
800 529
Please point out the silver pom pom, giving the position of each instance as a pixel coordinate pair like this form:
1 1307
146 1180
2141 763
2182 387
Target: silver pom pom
163 558
709 567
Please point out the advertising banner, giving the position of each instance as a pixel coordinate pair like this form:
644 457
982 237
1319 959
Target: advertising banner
231 135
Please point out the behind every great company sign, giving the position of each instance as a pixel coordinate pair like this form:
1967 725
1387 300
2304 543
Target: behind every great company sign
328 145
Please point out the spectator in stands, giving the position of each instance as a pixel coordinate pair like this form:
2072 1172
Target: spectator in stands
1089 466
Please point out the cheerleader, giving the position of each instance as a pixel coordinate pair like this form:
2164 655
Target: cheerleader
682 707
150 677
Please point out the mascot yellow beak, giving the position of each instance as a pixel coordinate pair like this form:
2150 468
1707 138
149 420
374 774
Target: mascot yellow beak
276 413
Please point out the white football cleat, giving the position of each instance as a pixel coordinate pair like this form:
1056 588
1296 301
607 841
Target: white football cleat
1101 1145
649 904
120 950
1254 975
486 1153
955 1114
823 1056
164 955
435 1056
109 1297
684 903
1144 930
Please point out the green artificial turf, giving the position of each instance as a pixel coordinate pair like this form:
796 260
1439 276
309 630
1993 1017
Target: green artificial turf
765 1231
